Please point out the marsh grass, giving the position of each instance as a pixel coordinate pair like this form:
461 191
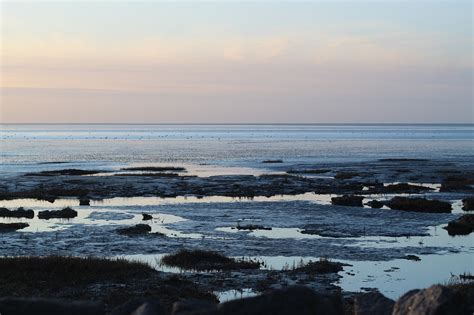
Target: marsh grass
202 260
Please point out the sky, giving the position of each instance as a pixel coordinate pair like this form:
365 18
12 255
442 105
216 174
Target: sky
236 62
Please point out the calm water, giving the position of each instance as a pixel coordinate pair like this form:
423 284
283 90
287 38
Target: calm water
101 146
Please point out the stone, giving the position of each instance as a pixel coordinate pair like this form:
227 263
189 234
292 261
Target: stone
66 213
24 306
348 200
192 305
463 225
142 306
435 300
288 301
373 303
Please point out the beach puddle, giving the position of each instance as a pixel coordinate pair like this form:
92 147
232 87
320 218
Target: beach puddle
274 233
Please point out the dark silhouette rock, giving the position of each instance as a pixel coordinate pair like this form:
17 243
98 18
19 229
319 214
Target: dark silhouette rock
372 303
22 306
468 204
19 213
138 229
419 205
84 202
141 306
435 300
463 225
375 204
288 301
146 217
66 213
12 227
192 305
348 200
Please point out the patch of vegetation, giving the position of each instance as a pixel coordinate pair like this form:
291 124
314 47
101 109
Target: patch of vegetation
12 227
419 205
111 281
18 213
202 260
66 213
323 265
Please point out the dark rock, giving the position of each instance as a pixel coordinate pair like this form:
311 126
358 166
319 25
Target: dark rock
468 204
456 183
435 300
272 161
146 217
12 227
84 202
19 213
70 172
412 257
141 306
192 305
419 205
372 303
309 171
375 204
400 188
252 227
348 200
23 306
461 226
288 301
66 213
346 175
138 229
402 160
147 309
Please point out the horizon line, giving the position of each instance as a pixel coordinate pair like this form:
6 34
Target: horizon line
241 123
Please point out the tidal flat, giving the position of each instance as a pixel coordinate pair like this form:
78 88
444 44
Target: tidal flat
376 224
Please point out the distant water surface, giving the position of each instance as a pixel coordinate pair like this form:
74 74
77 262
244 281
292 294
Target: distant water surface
98 146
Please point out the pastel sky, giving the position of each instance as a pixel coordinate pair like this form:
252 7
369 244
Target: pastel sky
196 62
